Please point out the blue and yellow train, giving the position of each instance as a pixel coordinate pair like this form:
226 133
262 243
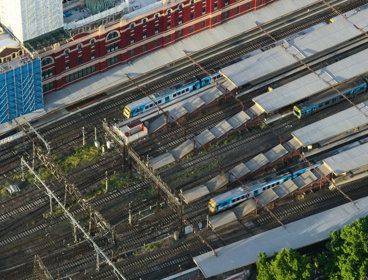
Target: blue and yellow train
330 97
147 103
235 196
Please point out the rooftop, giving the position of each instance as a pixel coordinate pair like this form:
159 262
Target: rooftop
7 41
320 131
309 85
313 41
295 235
348 160
76 15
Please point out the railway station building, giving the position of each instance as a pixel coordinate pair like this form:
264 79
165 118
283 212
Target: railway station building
76 39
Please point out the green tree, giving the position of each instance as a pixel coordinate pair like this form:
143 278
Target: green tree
263 268
285 265
348 252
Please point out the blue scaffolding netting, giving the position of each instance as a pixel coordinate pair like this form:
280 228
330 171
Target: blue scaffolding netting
20 91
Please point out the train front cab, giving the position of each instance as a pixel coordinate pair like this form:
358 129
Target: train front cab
212 206
126 112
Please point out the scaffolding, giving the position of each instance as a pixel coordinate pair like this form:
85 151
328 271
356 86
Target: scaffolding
20 91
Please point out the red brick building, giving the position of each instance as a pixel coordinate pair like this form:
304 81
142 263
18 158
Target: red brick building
81 51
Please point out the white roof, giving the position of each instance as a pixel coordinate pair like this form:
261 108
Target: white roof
257 66
348 160
276 58
7 41
310 84
333 126
295 235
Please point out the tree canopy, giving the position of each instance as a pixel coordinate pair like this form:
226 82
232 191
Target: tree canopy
345 258
286 265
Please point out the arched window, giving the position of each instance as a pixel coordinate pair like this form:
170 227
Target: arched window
157 16
112 35
66 53
47 61
168 12
144 22
180 7
92 42
79 47
132 27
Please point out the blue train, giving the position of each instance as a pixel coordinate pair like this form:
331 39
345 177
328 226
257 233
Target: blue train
235 196
329 98
146 103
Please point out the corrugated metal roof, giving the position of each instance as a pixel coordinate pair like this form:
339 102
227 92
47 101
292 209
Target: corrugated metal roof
310 84
327 128
309 44
348 160
295 235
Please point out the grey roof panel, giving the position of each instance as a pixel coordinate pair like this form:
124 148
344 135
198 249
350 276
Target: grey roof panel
292 145
221 129
326 128
193 104
348 160
298 234
195 193
245 208
305 179
257 66
238 120
217 182
161 160
275 153
238 172
157 123
267 197
328 35
257 162
285 188
177 112
203 138
323 170
222 219
183 149
210 95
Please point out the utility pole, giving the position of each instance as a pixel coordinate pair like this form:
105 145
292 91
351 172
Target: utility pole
83 136
76 225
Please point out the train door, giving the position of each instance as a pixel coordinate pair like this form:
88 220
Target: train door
167 99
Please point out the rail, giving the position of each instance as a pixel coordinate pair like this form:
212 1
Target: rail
149 172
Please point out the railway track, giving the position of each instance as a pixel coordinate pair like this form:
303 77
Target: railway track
55 133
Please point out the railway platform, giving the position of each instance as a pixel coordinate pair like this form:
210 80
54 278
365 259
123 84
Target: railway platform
55 103
298 234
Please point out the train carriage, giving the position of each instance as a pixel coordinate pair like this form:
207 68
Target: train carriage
330 97
147 103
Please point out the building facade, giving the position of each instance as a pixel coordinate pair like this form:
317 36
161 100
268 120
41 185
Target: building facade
101 45
91 42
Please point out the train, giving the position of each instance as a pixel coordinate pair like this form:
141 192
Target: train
235 196
329 98
147 103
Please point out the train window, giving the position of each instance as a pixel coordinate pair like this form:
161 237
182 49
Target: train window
174 94
264 188
187 89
